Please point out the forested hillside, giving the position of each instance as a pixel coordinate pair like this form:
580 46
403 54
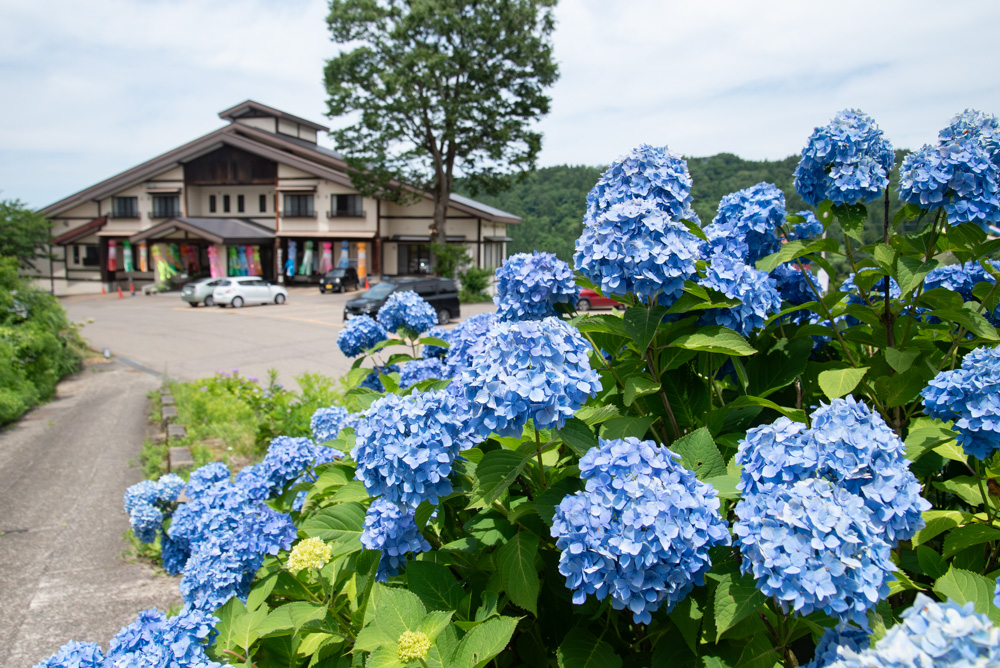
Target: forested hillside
552 200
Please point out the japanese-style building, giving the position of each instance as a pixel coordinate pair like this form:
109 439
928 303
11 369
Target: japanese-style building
257 195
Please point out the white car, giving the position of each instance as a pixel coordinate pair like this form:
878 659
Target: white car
240 290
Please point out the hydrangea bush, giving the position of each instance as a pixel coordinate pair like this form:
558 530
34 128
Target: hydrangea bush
739 469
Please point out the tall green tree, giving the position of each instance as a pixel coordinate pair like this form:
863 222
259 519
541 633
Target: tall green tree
23 233
440 88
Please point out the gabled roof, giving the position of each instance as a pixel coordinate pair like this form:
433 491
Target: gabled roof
306 156
80 232
253 109
226 231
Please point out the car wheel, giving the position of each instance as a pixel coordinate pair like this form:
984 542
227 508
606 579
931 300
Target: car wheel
237 302
209 301
444 316
583 305
279 299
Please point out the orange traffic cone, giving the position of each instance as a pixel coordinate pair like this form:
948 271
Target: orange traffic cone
131 287
120 295
102 289
366 283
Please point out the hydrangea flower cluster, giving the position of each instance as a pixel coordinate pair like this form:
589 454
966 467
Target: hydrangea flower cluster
958 176
847 161
308 553
970 396
146 501
409 311
151 640
807 229
838 492
467 341
746 226
405 446
634 247
431 351
417 370
648 173
204 477
361 333
792 286
640 531
529 285
930 634
828 648
757 292
977 126
326 423
537 369
392 528
286 460
373 381
960 278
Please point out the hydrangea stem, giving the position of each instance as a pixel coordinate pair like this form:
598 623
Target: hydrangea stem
538 453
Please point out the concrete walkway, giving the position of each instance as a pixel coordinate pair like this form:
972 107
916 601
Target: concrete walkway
63 471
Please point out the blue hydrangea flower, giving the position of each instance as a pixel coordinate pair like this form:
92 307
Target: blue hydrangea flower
361 333
970 396
746 226
373 381
960 278
848 445
931 634
533 369
75 655
792 285
809 228
649 173
467 341
828 648
634 247
407 310
847 161
529 285
174 554
977 126
757 292
153 640
326 423
204 477
286 460
418 370
171 486
812 545
145 502
431 351
392 528
958 176
146 521
641 530
405 446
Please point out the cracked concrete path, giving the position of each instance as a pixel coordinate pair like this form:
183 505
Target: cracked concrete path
63 470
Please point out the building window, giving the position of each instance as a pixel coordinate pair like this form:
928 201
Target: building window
211 203
225 204
262 203
76 254
414 259
125 207
166 206
240 204
492 255
299 206
346 206
89 255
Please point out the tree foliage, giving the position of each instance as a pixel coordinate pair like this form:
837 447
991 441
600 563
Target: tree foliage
439 88
23 233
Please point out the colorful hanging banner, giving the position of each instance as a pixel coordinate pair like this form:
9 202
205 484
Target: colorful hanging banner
112 256
362 261
127 260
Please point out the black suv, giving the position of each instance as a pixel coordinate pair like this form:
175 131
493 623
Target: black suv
440 293
339 279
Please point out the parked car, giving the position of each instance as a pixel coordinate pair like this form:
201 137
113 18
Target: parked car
240 290
592 299
339 279
441 293
200 291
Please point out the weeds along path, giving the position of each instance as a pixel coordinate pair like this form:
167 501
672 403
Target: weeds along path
63 470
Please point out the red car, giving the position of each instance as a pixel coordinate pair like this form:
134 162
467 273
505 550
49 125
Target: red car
591 299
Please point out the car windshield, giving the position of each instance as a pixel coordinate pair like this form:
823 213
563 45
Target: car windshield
336 273
378 291
225 282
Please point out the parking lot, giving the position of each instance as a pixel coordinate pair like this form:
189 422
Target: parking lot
166 335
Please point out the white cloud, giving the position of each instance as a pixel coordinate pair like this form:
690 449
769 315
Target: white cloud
94 88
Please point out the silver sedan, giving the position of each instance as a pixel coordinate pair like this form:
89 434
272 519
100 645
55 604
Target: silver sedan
200 292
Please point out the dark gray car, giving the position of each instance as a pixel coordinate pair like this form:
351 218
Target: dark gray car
339 279
440 293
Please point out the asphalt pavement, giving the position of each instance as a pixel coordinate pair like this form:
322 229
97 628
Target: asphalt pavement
63 471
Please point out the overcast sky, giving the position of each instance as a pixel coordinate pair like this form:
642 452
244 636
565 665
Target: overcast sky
93 88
